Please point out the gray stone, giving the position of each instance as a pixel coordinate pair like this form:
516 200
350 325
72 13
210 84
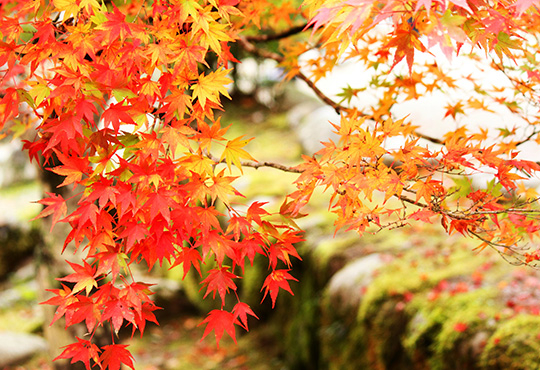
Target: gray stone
346 285
17 347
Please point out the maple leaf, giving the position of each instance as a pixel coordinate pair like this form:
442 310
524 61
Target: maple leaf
115 355
277 279
221 187
241 310
73 168
506 177
136 294
56 206
62 299
118 310
208 134
103 192
220 321
210 86
68 7
116 25
83 351
86 110
159 202
117 114
424 215
255 211
188 257
233 152
219 280
238 226
428 188
84 277
406 41
219 244
145 315
249 247
110 260
84 309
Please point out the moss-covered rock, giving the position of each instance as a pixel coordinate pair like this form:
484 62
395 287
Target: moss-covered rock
514 345
448 332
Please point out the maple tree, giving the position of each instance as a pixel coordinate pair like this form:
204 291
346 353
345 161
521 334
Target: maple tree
124 99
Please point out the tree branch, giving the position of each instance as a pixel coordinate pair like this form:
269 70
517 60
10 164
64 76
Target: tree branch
250 48
257 165
281 35
278 166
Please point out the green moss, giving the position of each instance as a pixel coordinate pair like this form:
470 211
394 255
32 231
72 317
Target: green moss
330 246
416 272
384 332
300 340
411 273
514 345
442 330
21 318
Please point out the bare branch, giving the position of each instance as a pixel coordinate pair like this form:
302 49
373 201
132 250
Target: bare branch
257 165
250 48
278 166
277 36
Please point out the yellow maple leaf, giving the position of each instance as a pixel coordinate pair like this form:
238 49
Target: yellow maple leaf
210 86
233 152
69 7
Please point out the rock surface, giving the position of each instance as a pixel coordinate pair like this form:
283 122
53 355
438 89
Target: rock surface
18 347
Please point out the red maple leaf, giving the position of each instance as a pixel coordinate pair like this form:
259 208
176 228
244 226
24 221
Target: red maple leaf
145 315
115 355
62 299
56 206
116 25
220 321
249 247
188 257
277 279
117 114
255 211
135 294
241 310
424 215
117 310
219 280
82 351
73 168
85 309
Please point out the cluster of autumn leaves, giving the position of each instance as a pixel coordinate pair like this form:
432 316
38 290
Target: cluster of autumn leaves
123 98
